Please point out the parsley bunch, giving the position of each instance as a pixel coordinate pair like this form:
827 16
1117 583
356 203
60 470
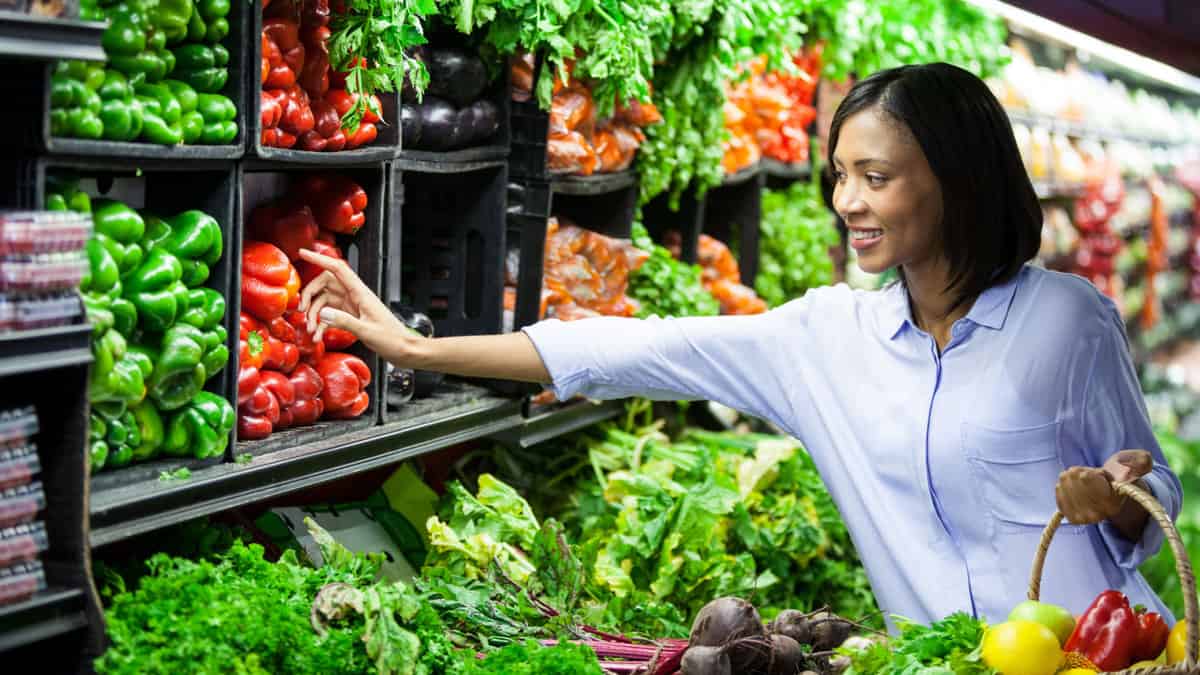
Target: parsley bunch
796 234
948 647
666 287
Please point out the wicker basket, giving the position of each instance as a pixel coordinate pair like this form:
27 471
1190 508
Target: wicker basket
1190 665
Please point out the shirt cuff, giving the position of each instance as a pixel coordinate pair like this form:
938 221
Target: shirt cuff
553 341
1131 554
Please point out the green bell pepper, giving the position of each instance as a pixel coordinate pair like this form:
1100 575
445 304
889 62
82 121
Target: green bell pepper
84 123
201 429
123 37
196 28
55 201
216 30
127 256
64 91
102 275
210 80
156 130
192 126
183 93
219 133
152 288
178 373
97 448
212 9
168 105
156 41
172 16
215 107
195 238
115 87
220 55
168 60
206 308
124 316
119 120
147 63
149 425
194 57
99 314
116 220
114 378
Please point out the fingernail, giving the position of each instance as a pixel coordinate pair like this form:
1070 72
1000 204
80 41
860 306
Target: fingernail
327 315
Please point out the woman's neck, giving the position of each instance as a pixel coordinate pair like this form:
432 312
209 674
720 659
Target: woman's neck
933 306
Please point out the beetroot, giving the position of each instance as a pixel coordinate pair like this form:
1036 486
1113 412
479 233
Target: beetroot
705 661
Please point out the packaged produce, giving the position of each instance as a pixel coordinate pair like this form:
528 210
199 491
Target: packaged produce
721 277
50 231
42 272
27 312
22 543
19 463
18 425
21 581
20 504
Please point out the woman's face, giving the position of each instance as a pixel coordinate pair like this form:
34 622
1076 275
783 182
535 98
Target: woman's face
886 193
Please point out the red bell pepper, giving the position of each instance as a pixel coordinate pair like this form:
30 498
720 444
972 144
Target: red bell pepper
271 107
282 354
307 386
326 134
258 414
309 271
280 387
315 76
267 46
346 378
287 224
248 382
297 116
252 346
310 351
336 202
337 339
285 35
337 79
277 138
267 280
365 134
1153 633
343 101
1107 633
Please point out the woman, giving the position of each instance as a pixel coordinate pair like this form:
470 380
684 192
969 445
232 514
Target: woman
942 412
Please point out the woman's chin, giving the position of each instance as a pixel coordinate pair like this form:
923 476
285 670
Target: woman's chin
872 266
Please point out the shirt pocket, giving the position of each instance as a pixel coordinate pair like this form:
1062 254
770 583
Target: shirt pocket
1017 470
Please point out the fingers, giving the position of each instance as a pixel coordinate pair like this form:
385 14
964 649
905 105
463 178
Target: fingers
339 319
340 269
312 316
320 283
1137 463
1085 495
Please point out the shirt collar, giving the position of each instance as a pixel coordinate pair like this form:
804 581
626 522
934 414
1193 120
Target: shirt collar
990 308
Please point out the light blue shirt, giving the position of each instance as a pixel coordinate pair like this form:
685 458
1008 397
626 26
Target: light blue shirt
943 466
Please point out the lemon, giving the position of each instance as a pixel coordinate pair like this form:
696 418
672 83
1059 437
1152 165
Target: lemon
1177 643
1022 648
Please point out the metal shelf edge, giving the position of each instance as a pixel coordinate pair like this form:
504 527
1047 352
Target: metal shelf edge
227 486
543 427
33 37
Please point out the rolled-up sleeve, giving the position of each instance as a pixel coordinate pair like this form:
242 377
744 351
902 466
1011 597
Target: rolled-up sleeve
1115 419
745 362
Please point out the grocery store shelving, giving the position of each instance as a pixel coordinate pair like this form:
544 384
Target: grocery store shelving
543 425
776 169
47 614
596 184
742 175
1077 129
34 37
120 510
1052 189
33 350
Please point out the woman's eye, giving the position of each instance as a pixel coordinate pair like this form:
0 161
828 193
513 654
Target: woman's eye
876 180
839 176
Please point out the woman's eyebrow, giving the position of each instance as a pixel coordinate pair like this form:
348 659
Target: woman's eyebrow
871 160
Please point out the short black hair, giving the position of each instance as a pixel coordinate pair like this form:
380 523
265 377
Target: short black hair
991 217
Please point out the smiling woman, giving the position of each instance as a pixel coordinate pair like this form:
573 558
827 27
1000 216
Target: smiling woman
942 412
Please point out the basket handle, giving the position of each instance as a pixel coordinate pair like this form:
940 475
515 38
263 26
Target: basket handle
1183 565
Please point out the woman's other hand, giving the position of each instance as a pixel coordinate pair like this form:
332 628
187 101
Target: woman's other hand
1086 495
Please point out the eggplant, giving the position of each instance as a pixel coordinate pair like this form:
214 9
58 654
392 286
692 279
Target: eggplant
410 126
439 125
423 382
480 120
456 75
401 386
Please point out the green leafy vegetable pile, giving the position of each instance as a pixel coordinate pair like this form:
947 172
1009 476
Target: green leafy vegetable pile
666 287
239 613
948 647
796 234
1160 571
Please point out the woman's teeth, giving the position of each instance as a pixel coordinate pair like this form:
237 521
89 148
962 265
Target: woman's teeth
865 234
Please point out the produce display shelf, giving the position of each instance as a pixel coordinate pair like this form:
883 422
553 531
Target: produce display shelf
36 37
422 426
550 422
742 175
1083 129
596 184
794 171
54 611
43 348
457 161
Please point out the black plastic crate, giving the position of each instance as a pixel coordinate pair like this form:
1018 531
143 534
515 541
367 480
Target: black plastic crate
734 210
779 175
470 158
165 188
452 246
31 86
687 220
386 144
364 251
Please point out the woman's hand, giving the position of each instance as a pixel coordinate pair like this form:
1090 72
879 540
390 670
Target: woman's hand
338 298
1086 495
